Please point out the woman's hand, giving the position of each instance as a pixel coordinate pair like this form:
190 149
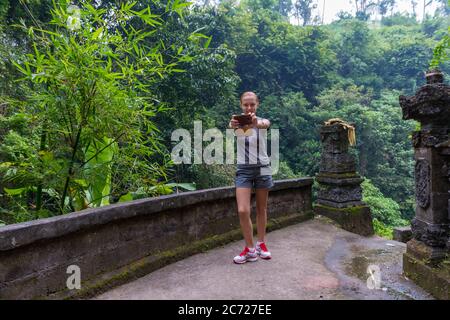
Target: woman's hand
254 120
260 124
234 124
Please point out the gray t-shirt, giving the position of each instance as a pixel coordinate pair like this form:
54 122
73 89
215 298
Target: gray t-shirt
252 149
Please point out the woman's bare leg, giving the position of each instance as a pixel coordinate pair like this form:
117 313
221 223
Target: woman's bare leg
261 212
243 196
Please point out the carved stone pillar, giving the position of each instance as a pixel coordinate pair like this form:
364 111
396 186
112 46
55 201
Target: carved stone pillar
339 195
426 258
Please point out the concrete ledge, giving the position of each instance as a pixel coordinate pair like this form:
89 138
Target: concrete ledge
17 235
35 255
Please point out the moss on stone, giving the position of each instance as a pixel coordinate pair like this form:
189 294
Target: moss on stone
435 280
444 267
355 219
338 175
353 209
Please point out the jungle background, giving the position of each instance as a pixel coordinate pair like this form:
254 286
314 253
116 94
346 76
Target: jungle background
90 92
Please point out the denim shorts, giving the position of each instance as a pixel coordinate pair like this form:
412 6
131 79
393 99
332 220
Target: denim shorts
251 178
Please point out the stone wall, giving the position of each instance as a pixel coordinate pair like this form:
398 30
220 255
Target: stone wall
119 242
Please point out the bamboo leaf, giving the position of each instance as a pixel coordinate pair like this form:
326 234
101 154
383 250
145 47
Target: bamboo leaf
186 186
126 197
97 33
15 192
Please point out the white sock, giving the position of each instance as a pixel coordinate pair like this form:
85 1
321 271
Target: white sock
251 249
259 242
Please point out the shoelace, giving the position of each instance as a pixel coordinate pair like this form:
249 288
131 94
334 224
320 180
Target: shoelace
244 252
263 247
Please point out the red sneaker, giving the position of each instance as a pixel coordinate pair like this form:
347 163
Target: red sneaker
262 251
245 256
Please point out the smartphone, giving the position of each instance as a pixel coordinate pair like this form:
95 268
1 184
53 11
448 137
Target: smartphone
244 119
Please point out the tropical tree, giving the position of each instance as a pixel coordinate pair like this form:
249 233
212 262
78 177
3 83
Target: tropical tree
441 51
303 10
364 9
385 211
385 6
89 77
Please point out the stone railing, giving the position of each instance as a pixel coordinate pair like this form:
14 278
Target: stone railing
117 243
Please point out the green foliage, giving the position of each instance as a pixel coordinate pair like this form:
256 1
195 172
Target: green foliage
440 53
383 209
357 52
298 141
303 9
406 58
381 229
90 123
285 172
20 164
435 27
89 78
208 176
384 6
98 158
207 86
274 56
399 19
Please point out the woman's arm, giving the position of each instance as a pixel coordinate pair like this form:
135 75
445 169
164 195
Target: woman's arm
263 123
260 123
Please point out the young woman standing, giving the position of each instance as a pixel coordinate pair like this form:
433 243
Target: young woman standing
253 171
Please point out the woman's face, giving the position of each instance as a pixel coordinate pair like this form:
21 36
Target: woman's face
249 103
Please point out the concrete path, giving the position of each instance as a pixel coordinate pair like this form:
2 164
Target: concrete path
311 260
